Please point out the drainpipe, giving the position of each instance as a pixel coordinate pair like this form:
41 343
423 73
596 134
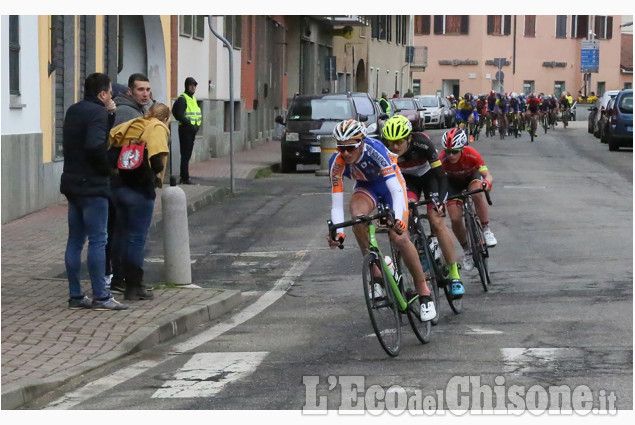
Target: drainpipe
230 49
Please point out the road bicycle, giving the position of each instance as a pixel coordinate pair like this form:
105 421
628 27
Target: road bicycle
391 294
502 125
434 266
565 117
512 118
474 233
544 121
533 125
490 125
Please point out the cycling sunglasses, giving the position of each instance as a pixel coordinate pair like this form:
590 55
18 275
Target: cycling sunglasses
453 151
397 142
348 148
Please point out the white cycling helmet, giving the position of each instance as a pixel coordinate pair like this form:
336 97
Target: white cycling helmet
454 139
349 130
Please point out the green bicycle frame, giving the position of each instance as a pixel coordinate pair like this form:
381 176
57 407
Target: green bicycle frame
374 246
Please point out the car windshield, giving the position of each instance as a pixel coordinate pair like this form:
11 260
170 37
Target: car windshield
363 105
320 109
626 104
404 104
428 101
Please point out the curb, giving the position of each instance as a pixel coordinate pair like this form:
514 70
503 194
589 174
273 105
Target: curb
164 329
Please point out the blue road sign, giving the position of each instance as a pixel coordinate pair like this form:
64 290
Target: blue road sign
590 56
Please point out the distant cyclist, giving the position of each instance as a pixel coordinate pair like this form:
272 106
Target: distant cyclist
467 112
466 170
533 110
378 180
422 170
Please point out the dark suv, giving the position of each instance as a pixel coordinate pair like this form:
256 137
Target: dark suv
310 118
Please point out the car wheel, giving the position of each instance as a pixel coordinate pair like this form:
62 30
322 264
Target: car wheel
613 144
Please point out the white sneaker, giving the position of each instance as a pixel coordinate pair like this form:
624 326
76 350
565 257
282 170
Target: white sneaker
428 312
108 280
378 292
468 261
490 240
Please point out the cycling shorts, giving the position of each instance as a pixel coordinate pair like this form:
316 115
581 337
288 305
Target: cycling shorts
377 192
456 186
416 185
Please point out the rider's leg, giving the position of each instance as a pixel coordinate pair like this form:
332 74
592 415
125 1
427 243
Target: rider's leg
411 259
438 228
361 203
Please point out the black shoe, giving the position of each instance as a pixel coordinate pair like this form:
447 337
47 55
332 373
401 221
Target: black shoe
138 293
117 287
186 181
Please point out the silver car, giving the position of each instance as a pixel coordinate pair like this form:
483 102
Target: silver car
431 110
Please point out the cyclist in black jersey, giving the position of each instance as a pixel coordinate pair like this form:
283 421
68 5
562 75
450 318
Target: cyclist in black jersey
419 163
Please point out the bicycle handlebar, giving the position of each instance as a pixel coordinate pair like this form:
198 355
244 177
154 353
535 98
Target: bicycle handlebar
467 193
386 216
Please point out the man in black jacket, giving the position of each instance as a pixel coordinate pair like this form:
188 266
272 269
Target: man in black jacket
85 182
188 113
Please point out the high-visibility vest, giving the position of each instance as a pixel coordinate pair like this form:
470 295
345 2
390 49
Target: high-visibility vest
192 111
387 105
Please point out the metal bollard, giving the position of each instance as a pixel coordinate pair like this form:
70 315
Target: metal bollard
328 146
176 236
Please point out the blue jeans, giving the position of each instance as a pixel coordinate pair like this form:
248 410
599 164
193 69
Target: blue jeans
134 214
87 217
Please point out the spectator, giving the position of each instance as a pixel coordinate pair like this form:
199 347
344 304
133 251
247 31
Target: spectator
409 93
581 97
383 103
188 113
396 94
85 182
134 198
592 98
131 103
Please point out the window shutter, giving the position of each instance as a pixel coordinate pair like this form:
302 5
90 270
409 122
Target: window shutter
609 28
508 24
490 24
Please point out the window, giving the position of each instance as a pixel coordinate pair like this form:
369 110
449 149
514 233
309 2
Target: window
199 27
185 25
422 25
579 26
603 27
400 30
499 24
381 27
529 86
233 30
388 28
14 55
451 24
558 88
601 88
530 25
561 26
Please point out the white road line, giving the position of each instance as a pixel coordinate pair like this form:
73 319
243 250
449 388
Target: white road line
482 331
95 388
206 374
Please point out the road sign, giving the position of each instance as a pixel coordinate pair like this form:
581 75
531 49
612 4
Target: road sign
500 76
590 56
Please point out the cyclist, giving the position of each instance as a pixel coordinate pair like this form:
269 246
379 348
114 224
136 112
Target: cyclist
421 168
503 109
533 103
377 180
514 109
565 105
466 170
466 112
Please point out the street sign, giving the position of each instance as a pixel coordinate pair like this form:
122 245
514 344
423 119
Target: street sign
500 62
500 76
590 56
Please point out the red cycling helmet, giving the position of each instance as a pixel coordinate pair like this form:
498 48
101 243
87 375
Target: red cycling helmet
454 138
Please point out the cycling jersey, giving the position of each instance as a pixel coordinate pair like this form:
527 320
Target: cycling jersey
470 162
422 169
464 109
564 102
491 102
376 175
514 105
533 104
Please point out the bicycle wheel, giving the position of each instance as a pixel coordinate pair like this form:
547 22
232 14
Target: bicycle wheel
425 257
383 311
421 329
479 251
545 123
532 129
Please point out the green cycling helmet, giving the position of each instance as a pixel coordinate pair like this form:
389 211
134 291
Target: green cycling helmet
396 128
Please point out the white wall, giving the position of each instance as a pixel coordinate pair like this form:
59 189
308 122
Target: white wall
193 62
219 65
25 120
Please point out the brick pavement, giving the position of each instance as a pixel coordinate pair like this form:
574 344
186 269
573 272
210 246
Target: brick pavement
45 344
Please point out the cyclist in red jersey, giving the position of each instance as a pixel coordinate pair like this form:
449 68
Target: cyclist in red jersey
466 170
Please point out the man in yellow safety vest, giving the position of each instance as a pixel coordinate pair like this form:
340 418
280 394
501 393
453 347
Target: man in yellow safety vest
188 113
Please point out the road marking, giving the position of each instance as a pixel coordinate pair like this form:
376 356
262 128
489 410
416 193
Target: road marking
523 187
206 374
97 387
482 331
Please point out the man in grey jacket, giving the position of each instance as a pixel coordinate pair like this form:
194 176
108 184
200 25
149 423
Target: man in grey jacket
131 103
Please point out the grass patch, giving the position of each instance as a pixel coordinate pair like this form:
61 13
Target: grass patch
262 173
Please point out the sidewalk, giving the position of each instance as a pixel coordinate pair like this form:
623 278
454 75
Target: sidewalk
44 344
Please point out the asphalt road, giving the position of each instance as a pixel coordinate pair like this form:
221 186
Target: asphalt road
559 312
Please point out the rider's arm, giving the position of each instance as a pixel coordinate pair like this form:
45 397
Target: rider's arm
337 167
398 195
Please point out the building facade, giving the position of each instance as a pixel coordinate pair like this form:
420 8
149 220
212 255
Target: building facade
517 53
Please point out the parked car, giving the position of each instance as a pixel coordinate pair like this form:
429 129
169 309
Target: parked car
409 108
449 112
619 128
432 109
596 112
313 117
